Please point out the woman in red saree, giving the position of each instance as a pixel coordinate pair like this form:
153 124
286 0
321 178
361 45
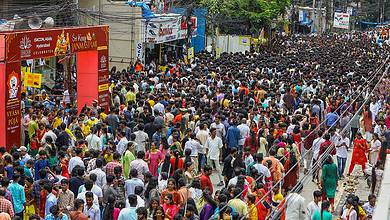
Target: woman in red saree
359 153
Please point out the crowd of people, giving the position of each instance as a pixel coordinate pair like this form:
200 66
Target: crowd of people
219 138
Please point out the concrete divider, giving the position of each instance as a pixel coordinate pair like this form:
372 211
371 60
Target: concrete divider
382 209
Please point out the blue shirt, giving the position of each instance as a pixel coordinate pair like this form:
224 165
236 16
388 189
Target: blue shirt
18 196
40 164
51 200
51 217
128 214
233 136
331 119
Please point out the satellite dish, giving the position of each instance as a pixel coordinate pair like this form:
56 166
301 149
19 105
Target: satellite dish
35 22
48 22
17 17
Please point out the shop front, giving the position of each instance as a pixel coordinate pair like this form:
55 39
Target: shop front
89 46
166 38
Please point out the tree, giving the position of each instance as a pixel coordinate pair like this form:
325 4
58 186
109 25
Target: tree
257 13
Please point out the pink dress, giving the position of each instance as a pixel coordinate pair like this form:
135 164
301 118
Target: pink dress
116 213
154 161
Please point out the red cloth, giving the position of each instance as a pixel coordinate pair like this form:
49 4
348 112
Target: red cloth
180 164
171 210
252 144
262 211
205 182
291 179
64 166
175 195
42 203
298 141
359 152
325 146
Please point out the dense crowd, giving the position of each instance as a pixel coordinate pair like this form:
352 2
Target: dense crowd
251 121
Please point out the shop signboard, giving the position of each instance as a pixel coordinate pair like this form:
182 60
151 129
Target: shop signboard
341 20
163 29
168 28
58 42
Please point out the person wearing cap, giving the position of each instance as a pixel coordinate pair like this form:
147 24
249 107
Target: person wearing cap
24 156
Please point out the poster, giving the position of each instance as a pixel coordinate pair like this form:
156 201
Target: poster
341 20
58 42
166 29
218 52
12 104
245 40
33 80
350 11
163 29
300 16
184 28
103 84
139 51
191 53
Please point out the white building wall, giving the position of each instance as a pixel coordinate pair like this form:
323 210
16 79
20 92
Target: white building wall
125 33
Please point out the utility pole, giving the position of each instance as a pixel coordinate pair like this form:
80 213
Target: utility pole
381 12
189 12
328 16
315 16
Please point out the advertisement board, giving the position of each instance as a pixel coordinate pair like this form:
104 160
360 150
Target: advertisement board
341 20
163 29
12 104
166 29
57 42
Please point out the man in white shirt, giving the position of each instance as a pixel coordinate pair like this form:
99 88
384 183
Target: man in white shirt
140 165
341 153
202 135
24 156
244 132
316 150
93 140
221 131
213 147
49 133
91 210
295 205
370 206
141 138
97 190
100 174
314 206
88 188
76 160
133 182
159 107
261 169
122 145
194 145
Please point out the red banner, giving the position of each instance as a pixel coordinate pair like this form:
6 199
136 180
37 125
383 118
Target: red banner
12 104
56 42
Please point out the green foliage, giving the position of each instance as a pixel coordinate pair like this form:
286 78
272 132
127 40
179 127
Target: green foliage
255 13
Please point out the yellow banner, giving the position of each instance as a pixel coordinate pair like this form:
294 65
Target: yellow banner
33 80
191 53
245 40
103 87
218 52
